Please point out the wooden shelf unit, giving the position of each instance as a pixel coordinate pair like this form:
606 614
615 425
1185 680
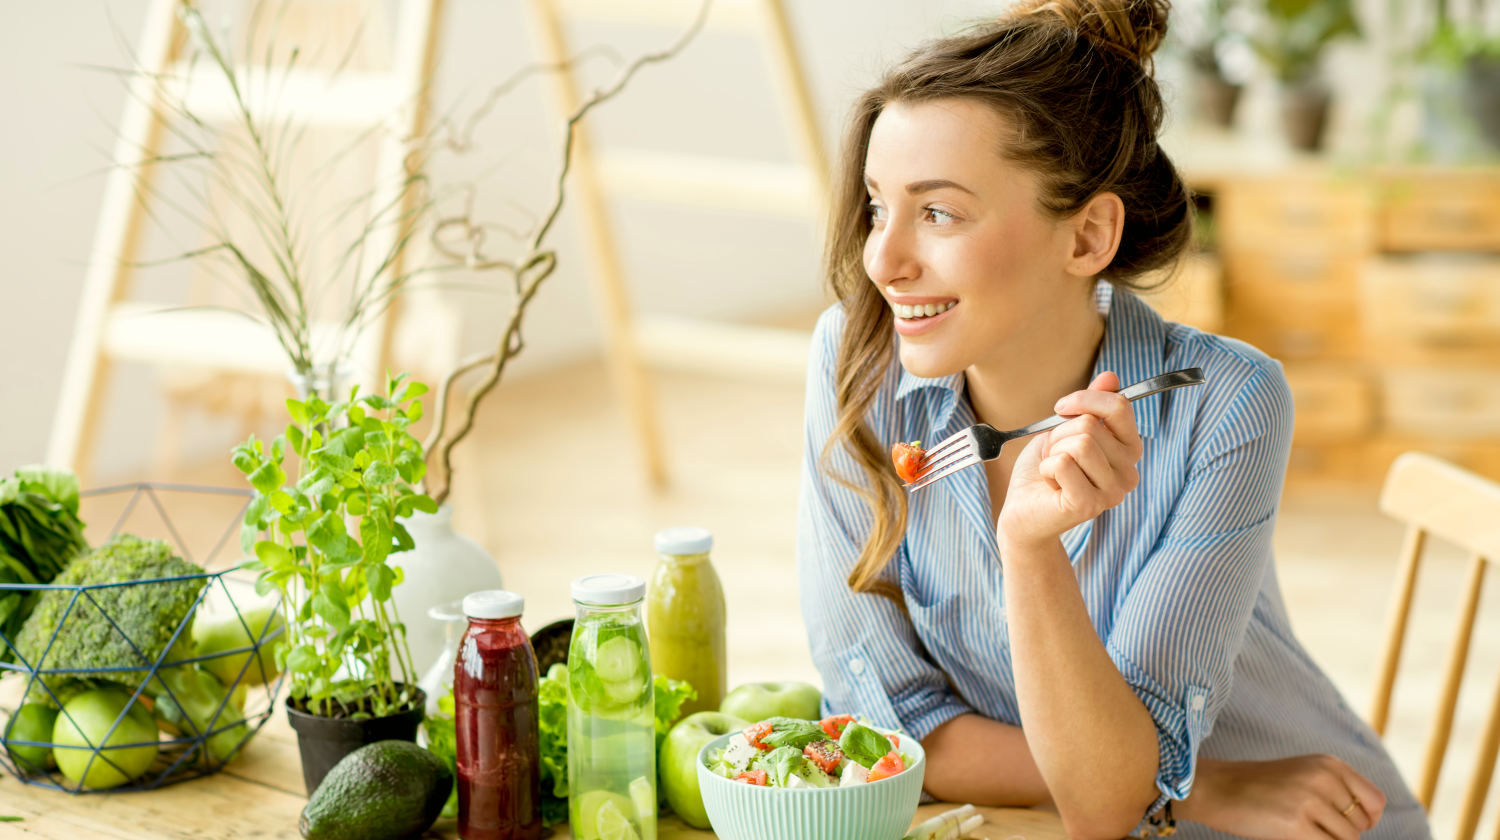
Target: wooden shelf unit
1379 290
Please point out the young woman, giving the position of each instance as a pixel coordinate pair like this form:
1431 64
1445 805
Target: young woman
1093 619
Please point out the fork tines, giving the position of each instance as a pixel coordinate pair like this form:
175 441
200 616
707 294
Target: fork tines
956 452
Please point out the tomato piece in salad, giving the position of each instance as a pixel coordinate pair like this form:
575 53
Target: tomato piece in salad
908 459
834 725
755 732
755 777
825 754
887 767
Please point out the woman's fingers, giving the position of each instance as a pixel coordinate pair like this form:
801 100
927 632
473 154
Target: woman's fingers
1371 798
1327 817
1104 460
1112 410
1078 492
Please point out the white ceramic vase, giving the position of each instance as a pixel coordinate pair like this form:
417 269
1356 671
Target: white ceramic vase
443 567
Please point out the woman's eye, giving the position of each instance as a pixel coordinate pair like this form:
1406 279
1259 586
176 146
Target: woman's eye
875 212
941 217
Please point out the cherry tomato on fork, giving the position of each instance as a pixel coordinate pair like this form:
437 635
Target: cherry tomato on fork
908 458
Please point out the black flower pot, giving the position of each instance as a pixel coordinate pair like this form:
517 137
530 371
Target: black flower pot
1217 99
1304 115
1480 92
322 741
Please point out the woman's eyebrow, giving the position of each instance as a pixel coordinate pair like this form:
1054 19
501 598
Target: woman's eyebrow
918 187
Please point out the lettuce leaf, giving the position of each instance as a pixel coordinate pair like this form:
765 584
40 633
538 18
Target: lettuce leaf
443 743
552 719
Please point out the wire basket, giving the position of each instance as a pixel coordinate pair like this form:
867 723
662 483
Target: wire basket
200 523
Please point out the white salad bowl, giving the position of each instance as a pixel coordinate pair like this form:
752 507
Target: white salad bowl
881 810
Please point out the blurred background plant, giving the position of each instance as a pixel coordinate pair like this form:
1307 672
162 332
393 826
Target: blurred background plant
1290 41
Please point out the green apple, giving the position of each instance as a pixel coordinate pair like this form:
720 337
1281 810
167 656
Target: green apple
678 763
758 701
228 632
85 721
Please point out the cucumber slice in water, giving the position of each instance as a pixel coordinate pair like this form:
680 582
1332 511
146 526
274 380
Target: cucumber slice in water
618 660
644 797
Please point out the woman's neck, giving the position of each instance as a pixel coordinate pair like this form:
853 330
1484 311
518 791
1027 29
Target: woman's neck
1053 357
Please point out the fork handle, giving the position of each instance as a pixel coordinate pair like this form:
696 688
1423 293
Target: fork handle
1144 388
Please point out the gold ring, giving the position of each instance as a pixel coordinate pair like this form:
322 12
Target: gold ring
1349 810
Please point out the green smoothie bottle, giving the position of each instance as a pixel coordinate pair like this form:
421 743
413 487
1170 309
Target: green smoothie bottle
685 616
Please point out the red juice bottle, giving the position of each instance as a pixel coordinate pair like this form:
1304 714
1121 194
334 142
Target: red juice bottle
495 720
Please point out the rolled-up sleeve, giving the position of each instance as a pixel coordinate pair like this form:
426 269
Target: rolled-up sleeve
863 645
1184 621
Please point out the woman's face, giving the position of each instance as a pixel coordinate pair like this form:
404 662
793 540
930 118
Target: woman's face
957 230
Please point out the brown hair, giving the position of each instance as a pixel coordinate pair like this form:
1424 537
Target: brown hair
1074 78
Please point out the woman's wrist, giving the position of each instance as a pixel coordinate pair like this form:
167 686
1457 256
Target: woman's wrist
1014 540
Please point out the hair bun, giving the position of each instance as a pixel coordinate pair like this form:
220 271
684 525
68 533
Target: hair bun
1132 28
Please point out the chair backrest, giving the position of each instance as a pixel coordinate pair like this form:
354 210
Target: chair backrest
1437 499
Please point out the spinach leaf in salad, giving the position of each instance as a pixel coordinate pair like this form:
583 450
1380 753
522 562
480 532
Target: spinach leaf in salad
790 732
863 745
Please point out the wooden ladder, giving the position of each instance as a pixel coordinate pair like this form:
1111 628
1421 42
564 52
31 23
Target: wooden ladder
715 182
110 327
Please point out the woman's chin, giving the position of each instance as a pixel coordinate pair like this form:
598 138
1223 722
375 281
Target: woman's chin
921 362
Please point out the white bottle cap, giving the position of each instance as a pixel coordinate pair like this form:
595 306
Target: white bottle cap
680 541
493 604
608 590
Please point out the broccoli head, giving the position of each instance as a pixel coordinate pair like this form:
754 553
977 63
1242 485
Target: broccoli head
110 626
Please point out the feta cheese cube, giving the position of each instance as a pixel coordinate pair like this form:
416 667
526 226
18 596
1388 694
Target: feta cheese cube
738 753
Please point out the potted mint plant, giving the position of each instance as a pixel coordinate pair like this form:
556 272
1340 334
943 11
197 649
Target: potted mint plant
323 529
1291 43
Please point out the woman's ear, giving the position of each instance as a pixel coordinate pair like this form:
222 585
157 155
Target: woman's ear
1096 233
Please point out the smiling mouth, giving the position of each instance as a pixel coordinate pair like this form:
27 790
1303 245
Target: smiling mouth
920 311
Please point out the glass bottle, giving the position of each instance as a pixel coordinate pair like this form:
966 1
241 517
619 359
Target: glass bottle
685 614
611 712
495 721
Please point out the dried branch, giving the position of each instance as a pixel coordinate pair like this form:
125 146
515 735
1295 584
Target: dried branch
535 267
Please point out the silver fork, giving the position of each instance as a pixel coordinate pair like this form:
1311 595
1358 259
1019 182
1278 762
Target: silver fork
981 442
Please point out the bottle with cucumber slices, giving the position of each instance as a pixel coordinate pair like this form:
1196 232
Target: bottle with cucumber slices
611 719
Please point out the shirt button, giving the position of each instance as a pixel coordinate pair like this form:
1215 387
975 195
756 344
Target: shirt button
856 666
1197 703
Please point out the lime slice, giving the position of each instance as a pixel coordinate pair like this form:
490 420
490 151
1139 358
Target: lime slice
590 814
612 824
618 660
643 794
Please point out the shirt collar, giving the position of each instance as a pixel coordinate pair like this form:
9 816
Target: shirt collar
1134 346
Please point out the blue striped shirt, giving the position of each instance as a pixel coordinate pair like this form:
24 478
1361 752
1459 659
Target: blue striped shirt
1178 579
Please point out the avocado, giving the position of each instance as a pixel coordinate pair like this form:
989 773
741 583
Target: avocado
387 790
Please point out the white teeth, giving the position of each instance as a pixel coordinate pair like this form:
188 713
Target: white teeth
923 310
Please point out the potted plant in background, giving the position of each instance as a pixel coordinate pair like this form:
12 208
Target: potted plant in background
1207 37
323 538
1290 42
1466 56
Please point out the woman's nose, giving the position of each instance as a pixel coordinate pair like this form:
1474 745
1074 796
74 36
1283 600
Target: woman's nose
890 255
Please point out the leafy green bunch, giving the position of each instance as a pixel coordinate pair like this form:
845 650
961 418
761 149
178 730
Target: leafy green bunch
323 538
40 534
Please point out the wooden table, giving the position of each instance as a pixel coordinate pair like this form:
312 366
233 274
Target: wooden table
260 796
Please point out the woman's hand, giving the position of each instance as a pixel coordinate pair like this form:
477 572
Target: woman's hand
1075 472
1307 797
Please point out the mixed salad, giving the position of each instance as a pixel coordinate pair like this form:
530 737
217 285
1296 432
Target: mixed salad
837 751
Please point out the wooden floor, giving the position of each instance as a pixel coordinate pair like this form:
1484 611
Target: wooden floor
554 489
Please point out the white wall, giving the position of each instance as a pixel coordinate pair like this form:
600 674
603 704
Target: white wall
715 98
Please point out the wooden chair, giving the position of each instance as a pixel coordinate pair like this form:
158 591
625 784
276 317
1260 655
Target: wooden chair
1437 499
